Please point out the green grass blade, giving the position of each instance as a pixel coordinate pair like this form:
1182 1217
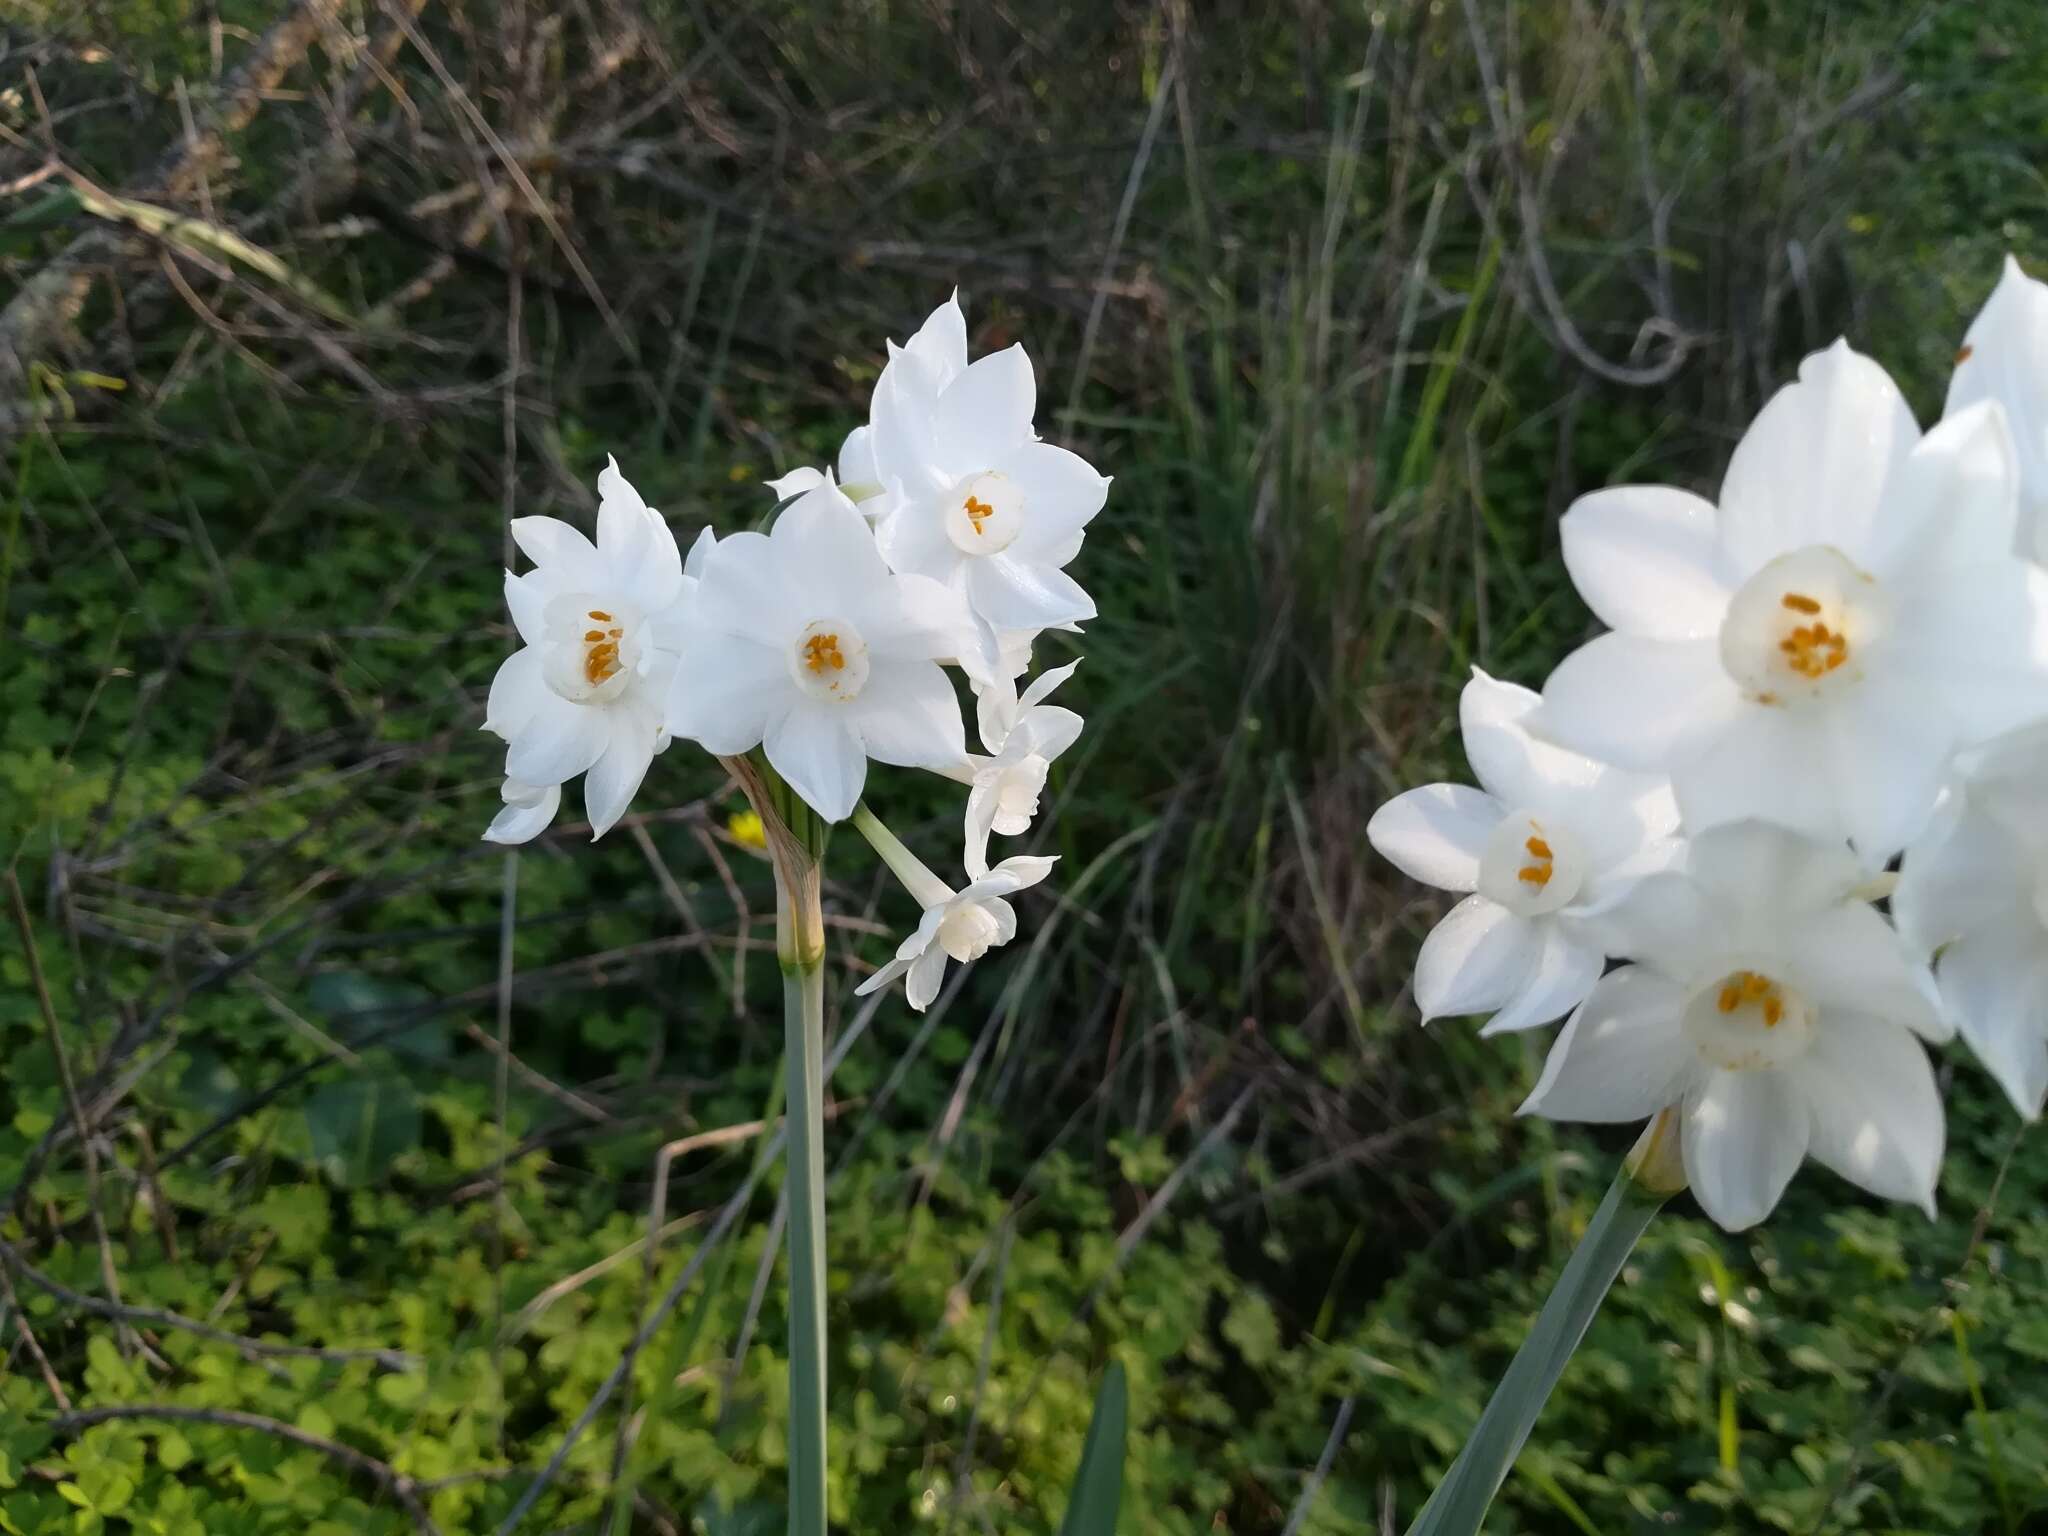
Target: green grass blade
1099 1485
1461 1499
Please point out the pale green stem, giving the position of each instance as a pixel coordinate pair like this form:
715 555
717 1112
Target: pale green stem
925 888
1651 1176
800 950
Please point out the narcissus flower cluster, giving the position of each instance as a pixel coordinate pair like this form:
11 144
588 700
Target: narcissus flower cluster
937 547
1787 818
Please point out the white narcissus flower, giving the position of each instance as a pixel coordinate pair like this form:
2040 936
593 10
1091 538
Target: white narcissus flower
584 695
976 500
1023 735
958 925
1974 886
1815 649
802 639
1777 1009
2004 357
1548 845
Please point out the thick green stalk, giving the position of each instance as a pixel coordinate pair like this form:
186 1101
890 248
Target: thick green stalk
1651 1176
800 950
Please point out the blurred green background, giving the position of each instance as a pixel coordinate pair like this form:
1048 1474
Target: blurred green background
300 300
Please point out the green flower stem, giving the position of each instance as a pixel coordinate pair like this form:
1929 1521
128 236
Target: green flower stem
800 951
1650 1177
925 888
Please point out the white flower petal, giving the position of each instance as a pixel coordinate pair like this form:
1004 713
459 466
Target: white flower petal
1964 872
1848 958
985 413
927 972
796 483
1973 642
1473 960
700 551
1622 1056
1812 467
726 692
527 600
528 811
1744 1136
1565 969
570 560
1643 704
913 618
655 581
1047 730
1013 595
1994 981
609 786
1888 750
1646 561
1437 833
1041 687
2005 358
825 551
557 742
901 432
912 539
516 693
1672 925
1877 1117
623 526
1955 499
743 592
908 715
1062 493
816 749
857 465
1766 763
940 345
1738 861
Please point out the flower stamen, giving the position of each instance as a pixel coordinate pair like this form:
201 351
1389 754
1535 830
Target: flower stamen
978 512
1813 650
822 651
1538 872
1746 989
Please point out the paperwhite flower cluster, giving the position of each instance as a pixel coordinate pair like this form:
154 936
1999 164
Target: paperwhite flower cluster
1838 668
943 540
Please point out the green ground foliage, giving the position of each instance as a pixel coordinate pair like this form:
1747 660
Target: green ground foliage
1351 305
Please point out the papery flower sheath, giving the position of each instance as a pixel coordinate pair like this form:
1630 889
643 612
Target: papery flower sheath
803 640
584 695
1814 649
2004 357
1547 845
975 499
1778 1009
1974 886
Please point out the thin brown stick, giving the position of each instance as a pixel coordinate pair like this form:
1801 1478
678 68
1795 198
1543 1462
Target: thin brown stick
28 1339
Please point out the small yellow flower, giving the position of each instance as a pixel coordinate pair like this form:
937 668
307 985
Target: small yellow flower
745 827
